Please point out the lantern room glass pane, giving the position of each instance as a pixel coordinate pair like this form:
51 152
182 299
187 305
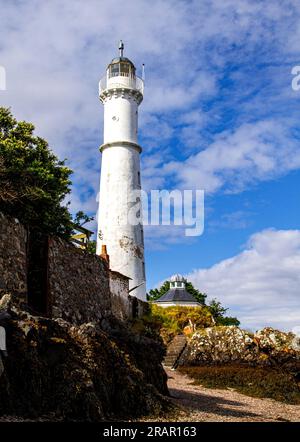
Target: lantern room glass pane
114 70
124 69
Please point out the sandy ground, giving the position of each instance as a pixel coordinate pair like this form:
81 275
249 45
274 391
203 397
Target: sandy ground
199 404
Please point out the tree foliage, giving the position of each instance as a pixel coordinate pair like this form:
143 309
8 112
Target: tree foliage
216 309
33 181
200 297
81 219
157 293
218 312
228 320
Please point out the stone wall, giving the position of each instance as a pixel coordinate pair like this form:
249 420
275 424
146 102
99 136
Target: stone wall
60 280
78 283
13 257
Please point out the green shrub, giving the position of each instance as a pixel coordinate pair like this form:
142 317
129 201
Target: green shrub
171 321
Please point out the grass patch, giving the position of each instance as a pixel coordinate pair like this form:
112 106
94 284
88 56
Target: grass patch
252 381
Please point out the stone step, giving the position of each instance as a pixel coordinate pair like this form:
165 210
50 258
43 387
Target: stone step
169 360
175 350
178 347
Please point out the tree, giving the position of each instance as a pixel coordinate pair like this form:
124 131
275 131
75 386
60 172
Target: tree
157 293
33 182
218 311
81 219
200 297
228 320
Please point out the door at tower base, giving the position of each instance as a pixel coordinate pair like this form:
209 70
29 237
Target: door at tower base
121 92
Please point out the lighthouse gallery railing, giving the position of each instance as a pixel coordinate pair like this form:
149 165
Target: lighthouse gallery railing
121 82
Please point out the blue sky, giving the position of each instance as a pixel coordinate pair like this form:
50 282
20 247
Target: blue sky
219 114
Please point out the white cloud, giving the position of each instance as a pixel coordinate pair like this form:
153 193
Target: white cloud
261 285
252 153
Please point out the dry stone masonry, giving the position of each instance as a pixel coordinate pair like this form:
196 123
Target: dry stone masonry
78 284
13 256
57 279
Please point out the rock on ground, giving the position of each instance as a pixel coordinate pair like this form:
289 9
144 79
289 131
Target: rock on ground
221 345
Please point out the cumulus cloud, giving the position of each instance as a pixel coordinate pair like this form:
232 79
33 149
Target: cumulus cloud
253 152
260 285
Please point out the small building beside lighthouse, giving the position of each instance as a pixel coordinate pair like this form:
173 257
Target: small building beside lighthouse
121 92
177 295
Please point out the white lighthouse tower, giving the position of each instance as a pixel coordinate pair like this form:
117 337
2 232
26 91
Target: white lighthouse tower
121 92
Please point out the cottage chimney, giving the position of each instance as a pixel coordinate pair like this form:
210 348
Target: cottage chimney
104 254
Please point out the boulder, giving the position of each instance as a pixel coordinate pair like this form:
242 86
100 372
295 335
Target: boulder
216 345
90 372
230 344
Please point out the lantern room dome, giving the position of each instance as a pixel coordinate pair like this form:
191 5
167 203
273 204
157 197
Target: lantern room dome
177 278
121 60
121 66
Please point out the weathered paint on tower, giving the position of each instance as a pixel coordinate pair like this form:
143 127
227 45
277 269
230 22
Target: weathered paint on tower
121 92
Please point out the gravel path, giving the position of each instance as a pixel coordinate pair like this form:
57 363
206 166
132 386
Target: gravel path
199 404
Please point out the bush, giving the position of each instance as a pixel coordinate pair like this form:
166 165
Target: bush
171 321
